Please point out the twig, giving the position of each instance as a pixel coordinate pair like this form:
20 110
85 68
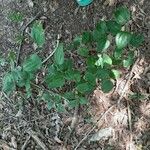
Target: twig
37 139
51 92
25 143
129 120
52 53
73 123
22 36
127 82
87 133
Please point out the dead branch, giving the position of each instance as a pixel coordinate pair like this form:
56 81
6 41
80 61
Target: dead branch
127 82
22 35
25 143
73 123
87 133
37 139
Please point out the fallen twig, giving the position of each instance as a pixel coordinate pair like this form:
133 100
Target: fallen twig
25 143
73 123
127 82
49 91
37 139
87 133
22 36
129 121
52 53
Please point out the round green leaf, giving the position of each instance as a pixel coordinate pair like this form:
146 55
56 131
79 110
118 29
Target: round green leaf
106 86
122 39
102 44
86 37
101 27
90 77
113 27
136 40
102 73
129 61
122 15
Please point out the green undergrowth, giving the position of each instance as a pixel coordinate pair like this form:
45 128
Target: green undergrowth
92 60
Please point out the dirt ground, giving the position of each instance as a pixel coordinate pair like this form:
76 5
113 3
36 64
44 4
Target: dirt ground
29 125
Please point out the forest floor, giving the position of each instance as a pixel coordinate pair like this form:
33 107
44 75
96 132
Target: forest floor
29 125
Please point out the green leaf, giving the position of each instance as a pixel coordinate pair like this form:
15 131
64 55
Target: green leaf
23 78
55 81
106 86
99 62
101 27
67 65
60 107
90 61
86 37
37 33
83 100
77 42
73 75
15 16
73 103
69 95
59 55
2 62
16 73
115 73
117 61
118 53
32 64
50 105
90 77
122 39
52 69
107 44
113 27
96 35
136 39
137 96
122 15
102 73
83 51
129 61
107 59
28 88
102 44
85 87
8 83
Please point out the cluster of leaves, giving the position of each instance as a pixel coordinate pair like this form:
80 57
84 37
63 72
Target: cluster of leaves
94 48
15 16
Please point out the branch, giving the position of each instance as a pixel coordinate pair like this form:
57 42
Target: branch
127 82
52 53
37 139
22 35
88 132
